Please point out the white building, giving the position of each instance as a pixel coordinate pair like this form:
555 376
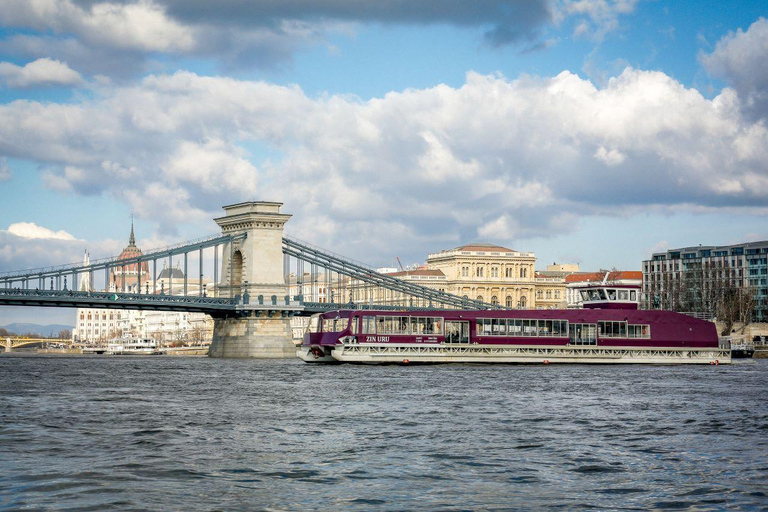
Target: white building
98 326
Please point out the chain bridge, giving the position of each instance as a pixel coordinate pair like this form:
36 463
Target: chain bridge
260 278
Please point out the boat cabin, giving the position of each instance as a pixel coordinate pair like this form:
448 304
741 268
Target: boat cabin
604 296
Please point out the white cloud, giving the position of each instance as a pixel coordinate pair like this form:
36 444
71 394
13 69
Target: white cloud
39 73
741 58
595 18
493 158
32 230
122 38
140 25
610 157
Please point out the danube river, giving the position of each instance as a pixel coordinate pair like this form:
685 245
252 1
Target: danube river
132 432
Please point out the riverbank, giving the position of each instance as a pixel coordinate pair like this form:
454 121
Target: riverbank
175 351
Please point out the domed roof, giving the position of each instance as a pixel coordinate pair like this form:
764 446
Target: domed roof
483 247
172 273
131 251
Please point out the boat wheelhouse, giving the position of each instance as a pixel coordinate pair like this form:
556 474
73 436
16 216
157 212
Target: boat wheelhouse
606 296
609 329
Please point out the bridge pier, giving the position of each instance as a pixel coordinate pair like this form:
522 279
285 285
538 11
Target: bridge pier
262 334
251 268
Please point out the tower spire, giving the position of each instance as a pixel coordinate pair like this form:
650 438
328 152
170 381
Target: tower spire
132 239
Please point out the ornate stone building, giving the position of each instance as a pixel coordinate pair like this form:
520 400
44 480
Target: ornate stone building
489 273
98 326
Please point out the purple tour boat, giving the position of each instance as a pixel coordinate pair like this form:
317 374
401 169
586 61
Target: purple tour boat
608 329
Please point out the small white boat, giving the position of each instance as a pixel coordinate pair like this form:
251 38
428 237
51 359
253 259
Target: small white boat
133 346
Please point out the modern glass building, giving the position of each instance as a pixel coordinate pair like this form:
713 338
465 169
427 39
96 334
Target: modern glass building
693 279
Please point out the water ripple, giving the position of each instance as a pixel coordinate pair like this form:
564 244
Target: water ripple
111 433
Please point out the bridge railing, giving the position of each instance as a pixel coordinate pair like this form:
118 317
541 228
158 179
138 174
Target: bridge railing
101 262
117 272
117 297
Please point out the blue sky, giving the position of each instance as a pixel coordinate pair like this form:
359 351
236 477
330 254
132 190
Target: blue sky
594 131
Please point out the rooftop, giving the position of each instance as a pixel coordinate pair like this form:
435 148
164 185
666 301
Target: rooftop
616 275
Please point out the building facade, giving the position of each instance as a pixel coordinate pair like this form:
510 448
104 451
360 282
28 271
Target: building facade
98 326
694 279
489 273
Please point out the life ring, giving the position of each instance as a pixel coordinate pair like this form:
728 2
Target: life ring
546 361
406 361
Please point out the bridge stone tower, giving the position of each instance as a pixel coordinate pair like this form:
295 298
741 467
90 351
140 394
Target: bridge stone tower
252 271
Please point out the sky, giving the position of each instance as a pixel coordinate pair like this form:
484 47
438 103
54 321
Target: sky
586 131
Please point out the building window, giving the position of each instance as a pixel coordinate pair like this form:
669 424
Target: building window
479 271
523 301
509 301
539 294
464 271
509 272
523 272
549 294
557 294
480 298
494 272
494 300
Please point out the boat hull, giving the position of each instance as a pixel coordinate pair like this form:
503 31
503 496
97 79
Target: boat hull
315 355
447 353
742 353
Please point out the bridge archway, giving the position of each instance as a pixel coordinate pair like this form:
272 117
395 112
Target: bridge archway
237 269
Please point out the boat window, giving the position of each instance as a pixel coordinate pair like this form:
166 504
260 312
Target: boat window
632 295
583 334
521 327
409 325
560 328
639 331
529 327
611 294
623 295
484 326
334 324
439 323
314 323
456 332
612 329
369 325
584 295
602 294
353 324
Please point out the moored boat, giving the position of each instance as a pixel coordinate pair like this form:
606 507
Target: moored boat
610 329
742 349
133 346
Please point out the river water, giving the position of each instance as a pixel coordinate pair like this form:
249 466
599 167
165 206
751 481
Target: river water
132 432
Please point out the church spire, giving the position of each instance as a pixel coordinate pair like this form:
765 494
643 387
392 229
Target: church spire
132 239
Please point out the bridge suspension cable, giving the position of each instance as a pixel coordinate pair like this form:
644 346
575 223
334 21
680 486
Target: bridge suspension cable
361 283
